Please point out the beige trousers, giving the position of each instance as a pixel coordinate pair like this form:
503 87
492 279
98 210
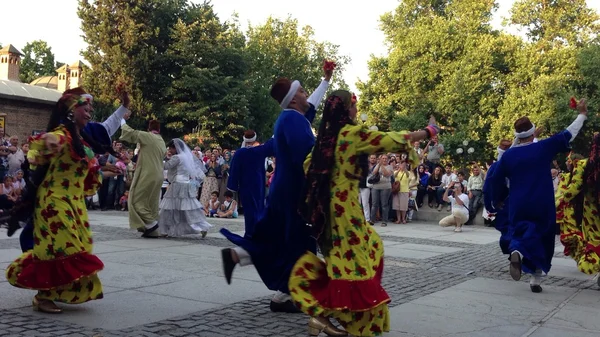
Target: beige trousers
457 219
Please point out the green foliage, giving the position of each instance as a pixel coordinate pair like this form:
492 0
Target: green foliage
446 60
195 73
37 62
280 48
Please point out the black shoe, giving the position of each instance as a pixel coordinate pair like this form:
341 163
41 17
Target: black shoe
148 231
287 306
535 288
228 264
515 266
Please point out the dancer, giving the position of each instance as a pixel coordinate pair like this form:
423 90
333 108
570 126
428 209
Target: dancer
61 265
500 214
145 190
577 212
101 134
347 286
281 236
180 212
531 211
249 180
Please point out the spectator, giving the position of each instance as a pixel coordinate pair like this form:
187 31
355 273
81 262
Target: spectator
229 207
475 189
434 151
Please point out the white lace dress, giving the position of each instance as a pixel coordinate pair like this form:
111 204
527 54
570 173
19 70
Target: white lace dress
180 212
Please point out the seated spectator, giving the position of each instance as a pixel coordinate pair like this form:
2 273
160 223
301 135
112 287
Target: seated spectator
8 196
212 207
123 201
229 207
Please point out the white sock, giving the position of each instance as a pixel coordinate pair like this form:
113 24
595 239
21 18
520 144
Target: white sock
150 225
518 252
536 278
280 297
243 256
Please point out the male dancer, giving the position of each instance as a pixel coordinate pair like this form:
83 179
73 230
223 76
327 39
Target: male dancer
281 236
145 190
531 210
249 181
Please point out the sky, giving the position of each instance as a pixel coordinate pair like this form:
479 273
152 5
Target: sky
354 28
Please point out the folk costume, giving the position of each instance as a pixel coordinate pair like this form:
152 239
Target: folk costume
347 285
101 133
500 214
180 211
247 177
281 236
578 203
61 265
145 190
531 212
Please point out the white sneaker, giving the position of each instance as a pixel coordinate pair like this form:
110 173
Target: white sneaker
458 229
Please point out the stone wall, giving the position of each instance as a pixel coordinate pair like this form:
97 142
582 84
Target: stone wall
23 118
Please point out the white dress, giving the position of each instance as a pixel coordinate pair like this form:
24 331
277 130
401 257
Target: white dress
180 212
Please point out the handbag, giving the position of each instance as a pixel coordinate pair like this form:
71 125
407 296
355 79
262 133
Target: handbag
396 185
374 179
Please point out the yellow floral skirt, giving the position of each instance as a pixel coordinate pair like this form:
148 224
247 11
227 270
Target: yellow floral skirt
360 306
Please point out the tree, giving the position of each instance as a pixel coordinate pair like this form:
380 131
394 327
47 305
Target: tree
280 48
445 60
38 61
127 44
548 68
208 95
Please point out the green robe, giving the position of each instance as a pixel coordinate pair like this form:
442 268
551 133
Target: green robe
144 193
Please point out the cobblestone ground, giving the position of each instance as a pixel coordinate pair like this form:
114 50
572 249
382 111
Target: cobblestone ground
404 279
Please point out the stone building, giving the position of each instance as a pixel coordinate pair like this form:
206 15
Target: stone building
25 108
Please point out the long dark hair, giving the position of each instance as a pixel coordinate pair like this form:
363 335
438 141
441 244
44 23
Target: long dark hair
590 179
61 115
315 209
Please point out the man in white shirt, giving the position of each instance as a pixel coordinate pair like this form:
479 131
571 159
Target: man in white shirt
447 180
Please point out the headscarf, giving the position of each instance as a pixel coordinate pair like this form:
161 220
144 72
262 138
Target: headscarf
316 207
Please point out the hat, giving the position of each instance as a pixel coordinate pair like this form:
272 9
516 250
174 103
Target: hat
284 90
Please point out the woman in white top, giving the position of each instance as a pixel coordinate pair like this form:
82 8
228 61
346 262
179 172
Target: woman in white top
459 202
180 212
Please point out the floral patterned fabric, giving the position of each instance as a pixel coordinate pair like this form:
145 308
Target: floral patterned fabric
581 241
61 265
347 285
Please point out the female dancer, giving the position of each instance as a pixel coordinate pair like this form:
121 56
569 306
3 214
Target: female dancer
180 212
61 265
347 285
578 198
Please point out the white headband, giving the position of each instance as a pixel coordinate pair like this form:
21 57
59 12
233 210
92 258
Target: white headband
526 134
88 97
500 152
249 140
290 95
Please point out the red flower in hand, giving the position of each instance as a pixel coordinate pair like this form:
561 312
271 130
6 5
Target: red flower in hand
329 65
573 103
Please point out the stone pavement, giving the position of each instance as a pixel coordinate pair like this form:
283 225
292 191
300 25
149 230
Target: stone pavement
441 284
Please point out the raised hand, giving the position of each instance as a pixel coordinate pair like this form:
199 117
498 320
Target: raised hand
328 67
123 95
582 106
